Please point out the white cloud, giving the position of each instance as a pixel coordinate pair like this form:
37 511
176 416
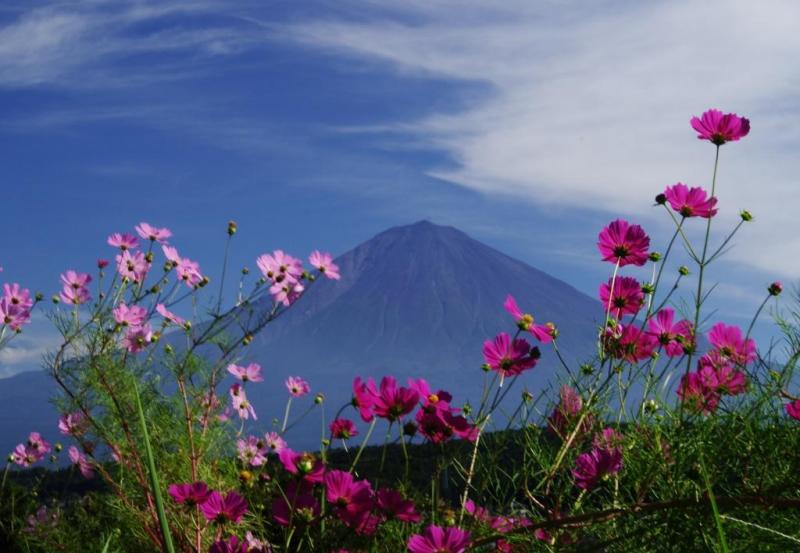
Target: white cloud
591 109
24 352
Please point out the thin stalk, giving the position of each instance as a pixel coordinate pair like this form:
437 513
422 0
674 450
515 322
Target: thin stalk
363 444
286 415
717 520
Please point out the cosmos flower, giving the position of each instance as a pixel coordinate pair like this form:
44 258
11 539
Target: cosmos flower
595 465
343 429
189 272
78 458
274 442
129 316
239 400
72 424
673 337
627 296
690 202
323 262
509 357
719 128
544 333
280 266
132 267
623 243
148 232
169 315
189 494
362 399
137 338
250 373
436 539
123 241
217 508
793 409
730 343
252 451
394 505
392 402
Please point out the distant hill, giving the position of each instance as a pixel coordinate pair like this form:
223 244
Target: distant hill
416 300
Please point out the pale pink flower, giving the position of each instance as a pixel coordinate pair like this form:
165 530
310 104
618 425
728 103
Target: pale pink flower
123 241
252 451
137 338
171 254
148 232
323 262
240 403
274 442
13 315
250 373
189 272
78 458
169 315
21 297
132 266
297 386
130 316
72 424
280 266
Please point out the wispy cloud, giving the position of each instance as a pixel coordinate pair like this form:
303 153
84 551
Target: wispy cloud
591 109
25 351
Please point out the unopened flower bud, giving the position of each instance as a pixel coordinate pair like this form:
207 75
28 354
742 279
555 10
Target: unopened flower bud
53 458
247 339
655 257
245 271
587 369
449 517
466 409
187 325
102 263
58 448
650 406
245 475
154 289
168 349
10 458
775 288
746 215
205 280
326 442
168 266
39 296
486 368
661 199
527 396
148 257
55 298
231 228
648 288
319 398
683 270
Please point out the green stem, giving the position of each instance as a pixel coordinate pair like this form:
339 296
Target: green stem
286 415
363 444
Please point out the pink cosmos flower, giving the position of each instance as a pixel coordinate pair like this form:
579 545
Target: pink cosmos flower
440 425
629 343
436 539
250 373
304 465
148 232
509 357
719 128
673 337
240 403
280 266
78 458
608 438
123 241
132 267
72 424
297 386
345 492
343 429
32 451
74 289
592 467
252 451
718 375
130 316
302 507
392 402
137 338
169 315
793 409
75 297
362 399
274 442
690 202
286 292
323 262
730 343
171 254
231 545
544 333
38 444
217 508
627 296
21 297
13 315
567 412
623 243
189 272
102 263
189 494
394 505
693 392
434 400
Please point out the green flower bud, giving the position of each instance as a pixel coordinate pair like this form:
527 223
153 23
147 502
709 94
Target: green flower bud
39 296
587 369
655 257
746 215
319 398
683 270
648 288
55 299
232 228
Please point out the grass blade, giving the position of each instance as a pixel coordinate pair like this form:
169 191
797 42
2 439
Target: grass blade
717 519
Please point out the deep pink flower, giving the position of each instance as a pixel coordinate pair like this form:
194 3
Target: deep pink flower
132 267
730 343
690 202
304 465
189 272
252 451
718 375
13 315
231 545
38 444
217 508
544 333
392 402
123 241
148 232
130 316
700 398
436 539
362 399
567 412
608 438
627 297
78 458
592 467
509 357
623 243
629 343
343 429
719 128
297 386
274 442
18 296
280 266
189 494
102 263
250 373
674 337
353 499
169 315
394 505
137 338
72 424
239 400
299 506
323 262
439 425
793 409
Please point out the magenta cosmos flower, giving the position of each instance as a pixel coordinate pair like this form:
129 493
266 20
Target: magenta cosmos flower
592 467
299 505
719 128
690 202
231 545
567 412
698 397
509 357
623 243
629 343
219 509
78 458
627 297
544 333
323 262
674 337
154 234
730 343
362 399
436 539
394 505
793 409
72 424
297 386
304 465
189 494
343 429
349 495
250 373
392 402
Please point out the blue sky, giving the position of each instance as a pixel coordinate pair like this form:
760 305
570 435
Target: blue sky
318 124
